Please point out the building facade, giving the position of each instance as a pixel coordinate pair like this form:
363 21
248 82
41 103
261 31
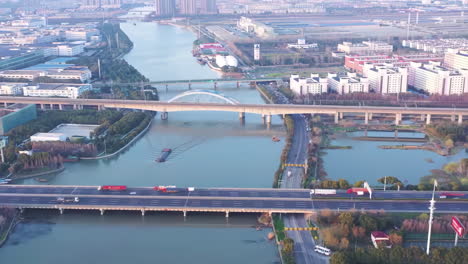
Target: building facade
312 85
387 79
456 59
56 90
188 7
164 7
9 88
435 79
349 83
366 47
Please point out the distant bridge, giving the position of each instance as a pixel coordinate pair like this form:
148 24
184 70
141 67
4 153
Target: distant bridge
266 110
189 83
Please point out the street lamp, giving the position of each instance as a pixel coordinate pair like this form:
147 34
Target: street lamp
431 209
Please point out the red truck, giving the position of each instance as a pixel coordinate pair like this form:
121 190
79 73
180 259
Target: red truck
166 189
112 188
358 191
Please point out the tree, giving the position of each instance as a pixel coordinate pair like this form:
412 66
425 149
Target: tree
396 239
359 184
343 184
369 223
340 258
346 219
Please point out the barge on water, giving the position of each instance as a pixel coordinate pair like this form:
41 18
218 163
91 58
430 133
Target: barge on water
164 154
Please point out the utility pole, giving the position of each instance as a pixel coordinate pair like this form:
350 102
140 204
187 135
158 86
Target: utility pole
385 184
431 208
99 68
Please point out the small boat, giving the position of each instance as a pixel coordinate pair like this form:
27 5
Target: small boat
164 154
71 159
41 180
275 139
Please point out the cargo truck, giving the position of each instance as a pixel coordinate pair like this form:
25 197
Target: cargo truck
323 191
112 188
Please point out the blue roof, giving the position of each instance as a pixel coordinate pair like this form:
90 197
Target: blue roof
60 60
44 66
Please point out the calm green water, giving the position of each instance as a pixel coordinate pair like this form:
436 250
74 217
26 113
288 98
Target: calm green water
366 161
210 149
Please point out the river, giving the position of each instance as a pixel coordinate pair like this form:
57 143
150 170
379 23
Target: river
211 149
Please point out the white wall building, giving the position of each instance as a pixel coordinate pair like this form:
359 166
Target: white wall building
312 85
366 47
456 59
349 83
435 79
48 137
12 88
22 74
56 90
387 79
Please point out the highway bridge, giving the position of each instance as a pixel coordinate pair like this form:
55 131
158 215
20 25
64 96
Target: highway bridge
225 200
266 110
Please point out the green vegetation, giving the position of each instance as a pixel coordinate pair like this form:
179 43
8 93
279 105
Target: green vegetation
115 131
288 251
449 131
289 122
399 255
7 218
116 71
279 227
338 147
453 176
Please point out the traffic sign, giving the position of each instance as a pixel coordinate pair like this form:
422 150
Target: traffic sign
457 226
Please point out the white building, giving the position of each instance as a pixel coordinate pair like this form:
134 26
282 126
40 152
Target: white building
349 83
435 79
366 47
229 61
312 85
387 79
48 137
301 44
456 59
80 74
22 74
12 88
56 90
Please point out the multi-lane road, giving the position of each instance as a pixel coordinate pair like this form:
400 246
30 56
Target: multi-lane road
232 200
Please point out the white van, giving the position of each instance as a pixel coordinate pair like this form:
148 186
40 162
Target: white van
323 250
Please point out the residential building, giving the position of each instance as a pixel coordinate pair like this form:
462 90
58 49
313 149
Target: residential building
208 7
96 4
56 90
355 63
78 73
16 115
456 59
435 79
387 79
380 239
366 47
165 7
436 45
188 7
8 88
349 83
312 85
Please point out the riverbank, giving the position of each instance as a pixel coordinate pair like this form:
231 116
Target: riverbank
11 219
140 134
21 176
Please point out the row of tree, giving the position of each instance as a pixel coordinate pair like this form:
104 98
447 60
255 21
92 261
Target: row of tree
36 161
65 148
400 255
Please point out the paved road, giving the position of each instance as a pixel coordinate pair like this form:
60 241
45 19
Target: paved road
294 180
254 204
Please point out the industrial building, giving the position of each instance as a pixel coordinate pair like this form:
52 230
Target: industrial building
16 115
9 88
366 47
312 85
56 89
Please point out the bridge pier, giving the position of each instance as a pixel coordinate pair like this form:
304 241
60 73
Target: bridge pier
102 211
164 115
423 117
61 210
460 119
167 88
215 85
51 106
190 86
143 212
341 115
42 107
366 118
60 106
337 118
428 119
397 118
5 105
241 115
185 214
227 214
452 118
370 116
238 84
268 119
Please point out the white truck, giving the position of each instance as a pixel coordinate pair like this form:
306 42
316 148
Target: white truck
323 191
68 200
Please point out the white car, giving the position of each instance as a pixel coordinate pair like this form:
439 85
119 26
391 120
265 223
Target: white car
132 193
